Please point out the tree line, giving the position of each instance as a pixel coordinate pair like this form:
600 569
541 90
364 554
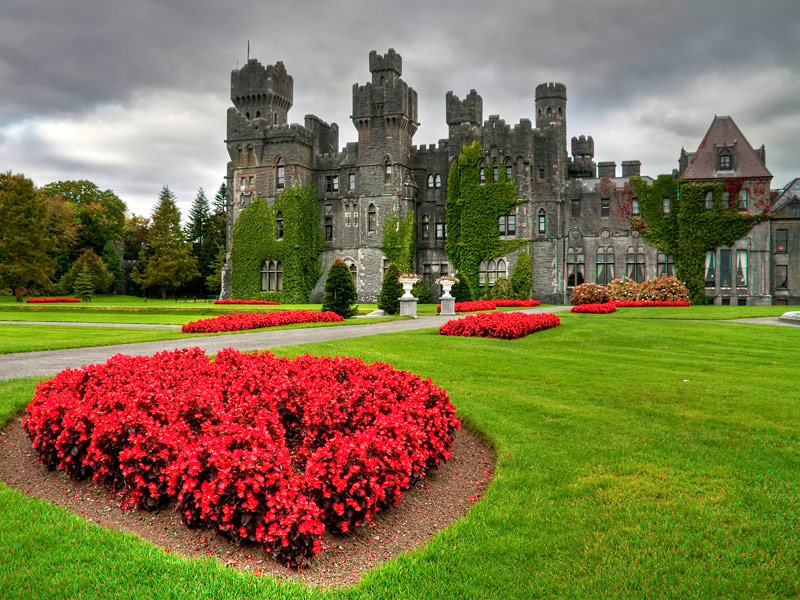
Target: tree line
72 238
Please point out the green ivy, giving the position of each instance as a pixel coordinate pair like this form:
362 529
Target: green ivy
300 250
399 241
690 230
473 211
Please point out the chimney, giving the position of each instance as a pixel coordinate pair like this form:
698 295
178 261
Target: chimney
607 169
631 168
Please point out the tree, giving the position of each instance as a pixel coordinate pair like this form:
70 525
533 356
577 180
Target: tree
83 287
522 276
391 290
340 291
134 236
62 234
100 214
422 292
99 275
460 291
112 257
168 262
197 236
24 259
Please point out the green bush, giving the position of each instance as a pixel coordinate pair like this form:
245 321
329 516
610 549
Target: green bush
391 290
460 291
99 276
340 291
422 292
502 290
522 277
588 293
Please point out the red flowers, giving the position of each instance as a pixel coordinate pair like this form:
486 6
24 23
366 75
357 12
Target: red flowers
475 305
240 321
49 300
596 309
268 302
505 325
265 449
638 303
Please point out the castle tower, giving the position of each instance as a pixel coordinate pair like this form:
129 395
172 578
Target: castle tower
260 92
551 119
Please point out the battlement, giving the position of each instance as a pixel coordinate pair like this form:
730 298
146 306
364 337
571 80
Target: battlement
551 90
254 78
426 150
583 146
468 110
326 137
393 98
391 61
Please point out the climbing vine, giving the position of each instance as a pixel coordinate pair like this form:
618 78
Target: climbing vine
690 229
473 210
399 241
299 250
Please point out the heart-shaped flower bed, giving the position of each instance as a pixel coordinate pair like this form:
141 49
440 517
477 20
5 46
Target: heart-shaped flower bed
266 449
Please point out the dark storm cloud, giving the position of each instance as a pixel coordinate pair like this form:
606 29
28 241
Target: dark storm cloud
644 79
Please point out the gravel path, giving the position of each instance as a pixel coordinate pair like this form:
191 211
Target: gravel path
50 362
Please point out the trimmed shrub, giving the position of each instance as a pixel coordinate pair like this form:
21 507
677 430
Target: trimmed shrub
391 290
522 276
502 290
340 291
588 293
460 291
422 292
624 288
665 288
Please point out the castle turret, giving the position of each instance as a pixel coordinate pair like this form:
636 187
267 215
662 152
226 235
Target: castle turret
582 164
551 119
260 92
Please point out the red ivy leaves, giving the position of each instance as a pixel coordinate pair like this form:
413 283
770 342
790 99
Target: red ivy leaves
265 449
240 321
475 305
49 300
505 325
596 308
266 302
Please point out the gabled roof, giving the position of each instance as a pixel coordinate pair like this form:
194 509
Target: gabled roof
724 131
789 193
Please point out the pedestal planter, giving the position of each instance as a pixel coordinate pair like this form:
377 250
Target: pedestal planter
408 281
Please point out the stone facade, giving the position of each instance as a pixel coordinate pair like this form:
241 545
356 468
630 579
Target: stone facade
576 214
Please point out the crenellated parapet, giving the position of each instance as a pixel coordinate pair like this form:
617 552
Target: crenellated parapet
469 110
262 92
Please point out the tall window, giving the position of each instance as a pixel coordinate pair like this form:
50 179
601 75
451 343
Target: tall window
665 206
605 265
725 268
279 225
426 228
507 224
711 269
437 181
605 207
372 219
635 207
781 276
742 200
575 265
328 229
387 170
542 220
509 171
576 207
782 240
430 182
710 201
481 175
441 231
665 264
489 272
635 264
280 180
332 183
271 276
354 271
495 173
351 182
741 268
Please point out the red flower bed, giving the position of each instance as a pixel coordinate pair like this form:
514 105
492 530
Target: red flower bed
596 308
476 305
505 325
264 449
266 302
240 321
637 303
49 300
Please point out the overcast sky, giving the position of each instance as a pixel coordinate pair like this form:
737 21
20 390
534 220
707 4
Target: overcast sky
132 94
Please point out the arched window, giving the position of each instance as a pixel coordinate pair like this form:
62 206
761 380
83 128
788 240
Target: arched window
509 170
372 219
430 181
640 266
482 276
495 173
247 114
575 266
426 227
328 229
387 170
258 114
251 157
354 271
240 158
501 268
271 276
481 173
279 225
491 272
280 179
710 201
542 221
264 276
275 117
437 181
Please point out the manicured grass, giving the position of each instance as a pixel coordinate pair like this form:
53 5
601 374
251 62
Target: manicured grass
30 338
642 458
709 312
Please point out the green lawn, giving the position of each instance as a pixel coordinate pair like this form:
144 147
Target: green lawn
637 458
31 338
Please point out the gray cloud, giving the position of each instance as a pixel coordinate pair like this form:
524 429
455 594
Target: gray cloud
79 79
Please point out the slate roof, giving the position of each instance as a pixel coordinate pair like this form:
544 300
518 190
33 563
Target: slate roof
723 130
789 193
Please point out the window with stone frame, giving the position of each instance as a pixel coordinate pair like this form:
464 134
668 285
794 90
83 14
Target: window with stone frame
711 269
328 229
426 228
710 201
604 262
372 219
665 264
635 265
441 231
794 211
509 170
605 207
280 179
279 225
495 173
576 207
575 266
481 174
665 205
742 201
542 221
507 224
387 170
782 240
635 211
725 162
353 271
351 182
331 184
271 276
430 182
437 181
781 276
741 268
725 268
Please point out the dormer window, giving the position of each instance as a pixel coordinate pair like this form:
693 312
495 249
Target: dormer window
725 162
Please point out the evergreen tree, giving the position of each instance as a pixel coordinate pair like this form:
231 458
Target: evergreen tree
460 291
340 291
391 290
24 259
83 288
422 292
221 199
168 263
522 276
99 275
197 235
112 257
214 278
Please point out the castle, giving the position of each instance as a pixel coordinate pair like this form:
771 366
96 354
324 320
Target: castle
575 213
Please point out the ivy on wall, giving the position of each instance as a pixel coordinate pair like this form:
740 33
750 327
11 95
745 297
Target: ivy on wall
690 230
399 241
300 249
473 210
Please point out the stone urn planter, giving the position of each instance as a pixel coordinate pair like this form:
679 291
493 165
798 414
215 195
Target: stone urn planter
447 282
407 280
